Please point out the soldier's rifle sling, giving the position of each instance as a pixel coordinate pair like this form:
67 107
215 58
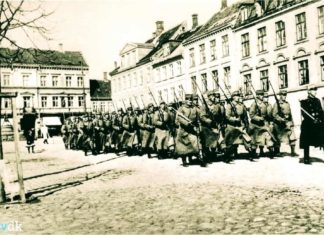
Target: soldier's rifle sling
161 114
254 97
307 113
277 100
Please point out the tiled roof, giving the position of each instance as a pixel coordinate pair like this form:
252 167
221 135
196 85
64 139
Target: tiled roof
100 89
42 57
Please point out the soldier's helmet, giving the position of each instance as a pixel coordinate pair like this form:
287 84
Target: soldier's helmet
129 109
259 92
311 87
236 93
283 92
188 97
216 94
195 97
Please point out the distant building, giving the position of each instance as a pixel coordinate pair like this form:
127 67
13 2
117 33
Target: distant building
50 83
100 92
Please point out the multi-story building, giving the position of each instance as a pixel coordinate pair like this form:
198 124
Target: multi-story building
133 80
100 92
51 83
282 42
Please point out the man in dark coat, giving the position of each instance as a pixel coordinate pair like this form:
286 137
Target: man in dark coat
145 123
312 126
130 138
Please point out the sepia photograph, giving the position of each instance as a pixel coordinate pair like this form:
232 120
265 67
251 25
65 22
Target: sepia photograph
161 117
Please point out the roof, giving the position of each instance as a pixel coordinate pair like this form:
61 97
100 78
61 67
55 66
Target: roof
100 89
220 19
33 56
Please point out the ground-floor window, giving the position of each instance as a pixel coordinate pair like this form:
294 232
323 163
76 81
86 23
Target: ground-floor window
283 76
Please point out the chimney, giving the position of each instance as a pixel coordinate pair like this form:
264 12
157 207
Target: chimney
224 4
61 47
105 76
194 21
115 64
159 27
262 4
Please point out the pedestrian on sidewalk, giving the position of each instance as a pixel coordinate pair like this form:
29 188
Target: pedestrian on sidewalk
45 134
30 139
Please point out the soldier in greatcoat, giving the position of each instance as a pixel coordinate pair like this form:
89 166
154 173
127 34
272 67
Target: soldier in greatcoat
312 126
145 123
259 128
117 131
130 138
164 139
283 124
237 125
187 139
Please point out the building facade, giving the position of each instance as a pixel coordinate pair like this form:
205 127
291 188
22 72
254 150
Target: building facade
100 92
50 83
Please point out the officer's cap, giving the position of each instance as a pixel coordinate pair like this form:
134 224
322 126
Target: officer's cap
282 92
150 105
120 109
188 96
311 88
162 102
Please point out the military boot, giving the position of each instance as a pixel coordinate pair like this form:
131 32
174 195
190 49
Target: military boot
292 151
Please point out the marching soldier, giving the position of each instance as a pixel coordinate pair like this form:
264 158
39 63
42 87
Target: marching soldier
187 140
237 124
312 126
259 128
117 132
130 138
145 123
164 139
283 124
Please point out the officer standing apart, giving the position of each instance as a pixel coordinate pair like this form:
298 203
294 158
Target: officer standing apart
312 126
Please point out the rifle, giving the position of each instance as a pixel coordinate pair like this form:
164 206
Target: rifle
176 99
280 113
142 101
161 114
254 97
124 105
137 102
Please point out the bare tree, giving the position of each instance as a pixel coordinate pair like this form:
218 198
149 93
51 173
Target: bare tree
28 18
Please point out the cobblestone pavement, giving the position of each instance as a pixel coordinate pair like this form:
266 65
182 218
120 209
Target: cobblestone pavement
109 194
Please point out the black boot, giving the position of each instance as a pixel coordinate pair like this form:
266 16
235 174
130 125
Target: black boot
306 155
261 154
184 161
292 151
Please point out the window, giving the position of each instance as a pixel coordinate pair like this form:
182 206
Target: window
166 95
204 82
321 19
179 67
54 81
247 84
225 45
63 103
227 75
25 80
212 50
80 81
194 85
68 81
171 70
129 85
119 85
141 78
322 67
43 81
164 72
215 80
192 57
6 103
160 95
55 101
283 76
70 101
44 101
262 39
181 92
26 101
148 74
158 75
202 54
303 72
301 26
264 77
135 79
5 80
280 34
80 101
245 45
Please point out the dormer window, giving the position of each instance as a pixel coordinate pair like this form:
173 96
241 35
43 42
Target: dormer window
166 49
244 14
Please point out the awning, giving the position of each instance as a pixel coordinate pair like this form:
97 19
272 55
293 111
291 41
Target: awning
52 121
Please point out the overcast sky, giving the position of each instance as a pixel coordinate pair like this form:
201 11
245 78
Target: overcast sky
100 28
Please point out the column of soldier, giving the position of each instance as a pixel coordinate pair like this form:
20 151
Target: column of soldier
195 133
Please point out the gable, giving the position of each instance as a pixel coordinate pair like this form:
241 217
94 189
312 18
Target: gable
128 47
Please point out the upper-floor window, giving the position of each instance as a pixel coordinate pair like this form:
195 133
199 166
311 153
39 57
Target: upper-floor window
225 45
80 81
213 49
54 81
164 72
25 80
204 82
43 81
5 80
280 34
141 78
264 78
215 79
194 85
192 57
27 101
262 39
44 101
301 26
283 76
247 84
55 101
227 75
135 79
202 53
245 41
322 67
179 67
158 75
129 79
68 81
171 70
303 72
321 19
